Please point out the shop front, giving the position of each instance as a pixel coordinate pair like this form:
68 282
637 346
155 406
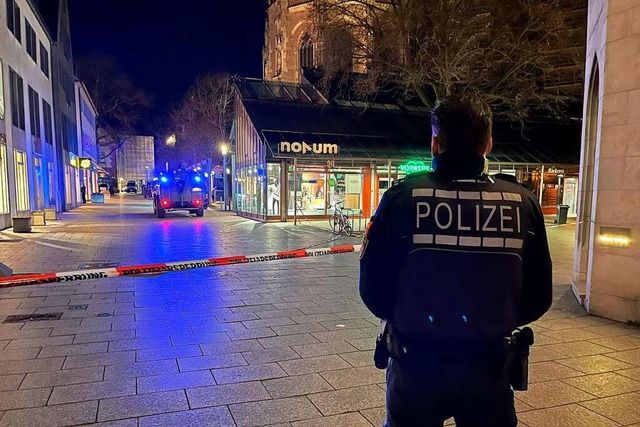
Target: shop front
295 158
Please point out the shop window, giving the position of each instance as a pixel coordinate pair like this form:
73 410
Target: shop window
52 184
273 189
4 183
22 181
39 182
308 196
67 184
346 188
17 100
251 189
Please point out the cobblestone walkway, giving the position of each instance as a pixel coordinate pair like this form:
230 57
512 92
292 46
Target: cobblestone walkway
282 344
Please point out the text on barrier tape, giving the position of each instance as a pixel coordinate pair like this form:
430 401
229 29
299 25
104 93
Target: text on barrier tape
136 270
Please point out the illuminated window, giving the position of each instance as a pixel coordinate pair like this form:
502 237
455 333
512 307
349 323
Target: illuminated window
52 185
4 184
22 181
38 182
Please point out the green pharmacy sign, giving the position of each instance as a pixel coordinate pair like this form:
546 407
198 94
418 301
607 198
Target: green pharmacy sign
414 166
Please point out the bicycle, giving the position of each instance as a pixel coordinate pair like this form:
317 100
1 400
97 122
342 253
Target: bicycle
339 221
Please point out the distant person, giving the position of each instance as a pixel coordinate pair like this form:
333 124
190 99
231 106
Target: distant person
112 189
83 194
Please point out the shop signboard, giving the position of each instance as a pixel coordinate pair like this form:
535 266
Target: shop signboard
332 182
73 160
308 148
85 163
555 170
414 166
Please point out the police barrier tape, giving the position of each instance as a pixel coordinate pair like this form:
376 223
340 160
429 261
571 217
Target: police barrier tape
136 270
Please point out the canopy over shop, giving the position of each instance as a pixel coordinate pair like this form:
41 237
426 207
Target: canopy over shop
296 155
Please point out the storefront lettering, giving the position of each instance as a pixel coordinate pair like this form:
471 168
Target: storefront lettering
414 166
304 148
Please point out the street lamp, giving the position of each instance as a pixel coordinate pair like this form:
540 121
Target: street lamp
224 149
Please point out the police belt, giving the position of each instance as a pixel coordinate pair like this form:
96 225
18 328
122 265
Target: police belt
401 346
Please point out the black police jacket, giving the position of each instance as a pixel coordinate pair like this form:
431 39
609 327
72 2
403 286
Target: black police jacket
455 256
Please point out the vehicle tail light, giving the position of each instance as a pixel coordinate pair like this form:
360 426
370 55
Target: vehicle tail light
165 203
197 201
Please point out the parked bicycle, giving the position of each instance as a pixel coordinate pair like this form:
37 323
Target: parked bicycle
339 221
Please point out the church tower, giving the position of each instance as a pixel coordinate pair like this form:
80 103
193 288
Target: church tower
290 43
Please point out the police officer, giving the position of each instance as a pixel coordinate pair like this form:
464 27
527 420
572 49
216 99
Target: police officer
455 260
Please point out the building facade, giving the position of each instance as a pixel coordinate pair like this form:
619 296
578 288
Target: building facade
28 178
607 253
296 154
87 142
56 15
135 160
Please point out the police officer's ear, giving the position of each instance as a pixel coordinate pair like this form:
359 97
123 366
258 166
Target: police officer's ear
435 146
489 146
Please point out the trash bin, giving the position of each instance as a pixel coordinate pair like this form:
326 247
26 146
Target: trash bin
563 210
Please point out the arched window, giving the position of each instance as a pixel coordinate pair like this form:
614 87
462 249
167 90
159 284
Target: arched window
306 52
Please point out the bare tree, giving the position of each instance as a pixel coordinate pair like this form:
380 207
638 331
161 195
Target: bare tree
203 118
121 105
520 56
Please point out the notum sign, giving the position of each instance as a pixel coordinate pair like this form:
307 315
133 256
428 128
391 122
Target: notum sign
304 148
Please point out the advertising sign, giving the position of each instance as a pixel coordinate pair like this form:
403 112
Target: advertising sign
306 148
85 163
414 166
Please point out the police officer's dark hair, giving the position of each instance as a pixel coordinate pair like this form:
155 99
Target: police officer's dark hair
462 124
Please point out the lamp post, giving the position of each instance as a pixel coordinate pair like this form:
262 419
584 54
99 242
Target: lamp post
224 148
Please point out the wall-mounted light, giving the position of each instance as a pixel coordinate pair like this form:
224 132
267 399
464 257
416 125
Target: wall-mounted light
615 237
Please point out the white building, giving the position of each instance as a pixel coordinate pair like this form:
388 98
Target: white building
86 114
28 169
135 159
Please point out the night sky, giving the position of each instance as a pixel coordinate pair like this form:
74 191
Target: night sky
164 44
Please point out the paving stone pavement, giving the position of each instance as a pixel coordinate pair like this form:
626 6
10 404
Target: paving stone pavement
285 343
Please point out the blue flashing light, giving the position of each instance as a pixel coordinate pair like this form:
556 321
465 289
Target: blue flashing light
464 319
431 319
197 179
164 179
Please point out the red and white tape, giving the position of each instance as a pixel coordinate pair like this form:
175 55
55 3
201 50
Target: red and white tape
137 270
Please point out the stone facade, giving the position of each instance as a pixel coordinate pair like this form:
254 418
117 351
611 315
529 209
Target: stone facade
609 276
288 22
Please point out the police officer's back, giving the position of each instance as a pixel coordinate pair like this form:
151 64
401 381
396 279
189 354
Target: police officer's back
455 260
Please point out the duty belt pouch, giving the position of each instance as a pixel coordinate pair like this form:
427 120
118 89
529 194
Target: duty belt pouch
520 343
381 355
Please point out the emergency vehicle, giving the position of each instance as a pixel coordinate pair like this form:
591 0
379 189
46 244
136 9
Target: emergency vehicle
180 191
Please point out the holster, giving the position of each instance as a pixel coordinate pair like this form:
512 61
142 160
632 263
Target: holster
388 345
518 346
